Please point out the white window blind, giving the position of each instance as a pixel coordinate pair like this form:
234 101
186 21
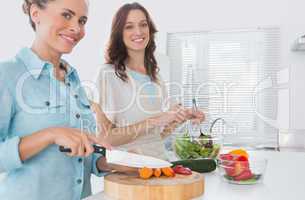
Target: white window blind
224 71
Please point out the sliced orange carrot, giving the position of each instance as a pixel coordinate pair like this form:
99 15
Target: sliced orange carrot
145 172
167 171
157 172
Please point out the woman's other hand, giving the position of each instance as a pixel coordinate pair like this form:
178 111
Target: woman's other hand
195 116
104 166
176 114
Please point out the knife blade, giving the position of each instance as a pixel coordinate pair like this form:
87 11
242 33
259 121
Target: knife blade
125 158
134 160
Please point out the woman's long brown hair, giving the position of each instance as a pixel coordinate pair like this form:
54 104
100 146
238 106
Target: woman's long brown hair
117 53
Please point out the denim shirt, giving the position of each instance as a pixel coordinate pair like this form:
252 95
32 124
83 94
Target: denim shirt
31 99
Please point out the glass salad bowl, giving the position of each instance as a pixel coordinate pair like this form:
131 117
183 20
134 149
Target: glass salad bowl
197 147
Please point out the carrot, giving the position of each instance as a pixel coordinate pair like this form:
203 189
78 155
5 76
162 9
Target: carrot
167 171
157 172
145 172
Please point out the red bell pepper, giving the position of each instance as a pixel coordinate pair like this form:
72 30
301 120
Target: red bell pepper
179 169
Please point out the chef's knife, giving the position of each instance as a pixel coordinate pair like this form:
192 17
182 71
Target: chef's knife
126 158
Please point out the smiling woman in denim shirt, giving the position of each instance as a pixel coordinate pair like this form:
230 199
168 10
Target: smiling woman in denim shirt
42 106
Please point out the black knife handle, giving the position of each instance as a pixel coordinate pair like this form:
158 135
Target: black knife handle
97 149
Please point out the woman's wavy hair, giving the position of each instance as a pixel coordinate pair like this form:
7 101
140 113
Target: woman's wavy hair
117 54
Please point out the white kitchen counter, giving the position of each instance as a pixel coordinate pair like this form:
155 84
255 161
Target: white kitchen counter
284 180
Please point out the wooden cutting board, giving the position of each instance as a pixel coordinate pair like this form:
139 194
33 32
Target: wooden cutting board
130 187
